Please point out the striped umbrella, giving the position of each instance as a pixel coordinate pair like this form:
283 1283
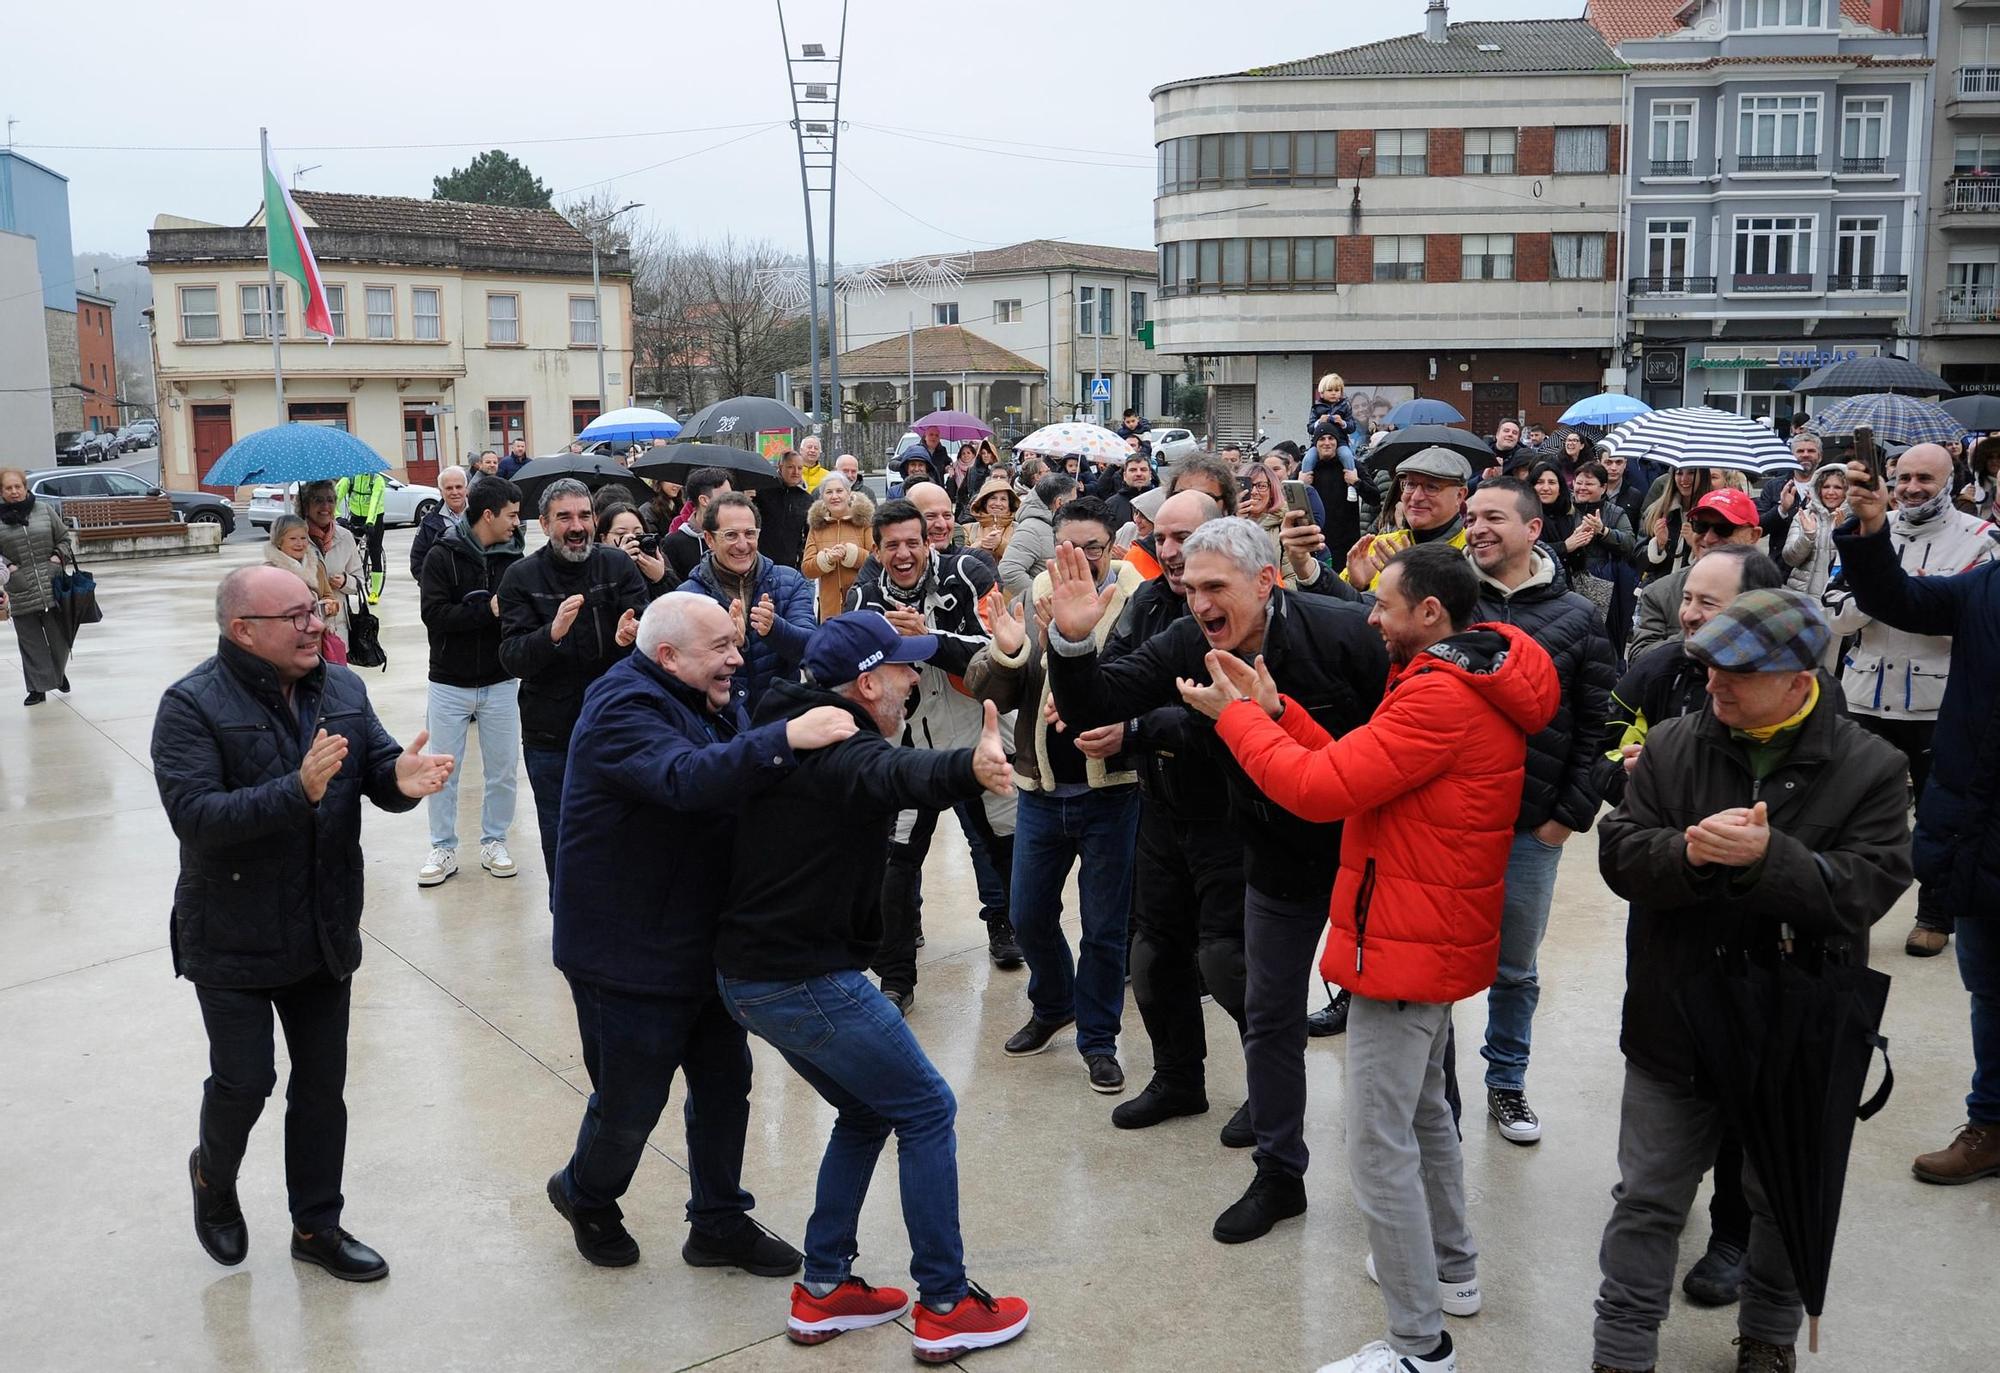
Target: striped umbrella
1700 436
1900 420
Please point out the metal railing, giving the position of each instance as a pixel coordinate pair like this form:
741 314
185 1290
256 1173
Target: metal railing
1663 167
1973 193
1848 281
1863 166
1979 82
1673 286
1772 281
1969 305
1787 162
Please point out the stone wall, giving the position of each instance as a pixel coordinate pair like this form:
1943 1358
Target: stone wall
64 367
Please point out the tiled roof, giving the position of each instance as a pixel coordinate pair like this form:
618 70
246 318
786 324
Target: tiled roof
1051 255
488 226
1480 46
1846 59
1619 20
942 348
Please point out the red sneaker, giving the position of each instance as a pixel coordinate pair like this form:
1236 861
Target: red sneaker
979 1321
853 1305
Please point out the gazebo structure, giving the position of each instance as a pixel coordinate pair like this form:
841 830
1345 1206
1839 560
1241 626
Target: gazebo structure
953 369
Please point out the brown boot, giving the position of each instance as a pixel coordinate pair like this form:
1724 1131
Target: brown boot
1975 1154
1755 1356
1925 942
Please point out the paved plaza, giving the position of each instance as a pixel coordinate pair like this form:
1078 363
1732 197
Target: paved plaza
465 1087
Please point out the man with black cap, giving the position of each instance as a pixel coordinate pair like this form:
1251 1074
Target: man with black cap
792 950
1727 516
1817 856
1431 483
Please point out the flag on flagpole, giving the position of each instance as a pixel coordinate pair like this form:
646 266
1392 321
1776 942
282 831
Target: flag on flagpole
290 253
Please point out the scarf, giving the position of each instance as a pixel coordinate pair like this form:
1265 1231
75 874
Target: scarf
323 544
1764 734
1916 516
916 596
17 512
1447 531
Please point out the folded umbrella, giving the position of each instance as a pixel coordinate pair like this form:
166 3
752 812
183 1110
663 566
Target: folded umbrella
1423 411
1897 420
679 461
293 453
956 425
743 416
590 469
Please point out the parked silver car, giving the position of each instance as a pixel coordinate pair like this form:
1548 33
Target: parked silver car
406 504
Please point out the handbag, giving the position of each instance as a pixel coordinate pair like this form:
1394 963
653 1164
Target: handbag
332 648
364 636
1595 589
73 596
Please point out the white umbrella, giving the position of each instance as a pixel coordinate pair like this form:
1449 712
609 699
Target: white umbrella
1074 439
1700 436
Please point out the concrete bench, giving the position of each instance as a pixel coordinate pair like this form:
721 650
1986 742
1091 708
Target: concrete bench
97 520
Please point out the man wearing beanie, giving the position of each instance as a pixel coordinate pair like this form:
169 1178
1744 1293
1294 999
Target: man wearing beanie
1766 816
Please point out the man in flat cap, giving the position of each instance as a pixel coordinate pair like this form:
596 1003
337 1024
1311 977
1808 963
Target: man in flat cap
1767 816
1431 483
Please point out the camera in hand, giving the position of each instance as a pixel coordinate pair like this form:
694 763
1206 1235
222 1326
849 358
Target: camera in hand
649 544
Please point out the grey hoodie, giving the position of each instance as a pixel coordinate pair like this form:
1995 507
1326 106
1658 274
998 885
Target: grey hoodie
1029 550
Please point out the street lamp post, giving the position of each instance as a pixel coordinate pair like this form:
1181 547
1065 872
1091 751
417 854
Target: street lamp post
597 297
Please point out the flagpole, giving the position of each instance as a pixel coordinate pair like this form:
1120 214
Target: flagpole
271 289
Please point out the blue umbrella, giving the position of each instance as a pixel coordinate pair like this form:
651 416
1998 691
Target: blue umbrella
293 453
1613 407
635 424
1901 420
1421 411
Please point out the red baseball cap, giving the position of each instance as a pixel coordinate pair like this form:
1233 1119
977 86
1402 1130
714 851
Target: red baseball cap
1731 504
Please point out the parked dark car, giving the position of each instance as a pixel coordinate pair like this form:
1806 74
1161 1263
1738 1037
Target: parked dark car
78 448
191 507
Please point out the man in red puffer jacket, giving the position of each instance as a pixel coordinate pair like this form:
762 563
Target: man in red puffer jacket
1429 789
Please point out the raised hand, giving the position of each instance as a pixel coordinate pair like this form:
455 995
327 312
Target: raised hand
419 773
628 629
989 759
763 614
566 614
819 727
1301 540
1866 497
1362 564
322 761
1010 629
1214 698
740 620
1076 604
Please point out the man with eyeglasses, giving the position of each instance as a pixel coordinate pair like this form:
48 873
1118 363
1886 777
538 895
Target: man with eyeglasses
771 603
1727 516
1432 483
263 755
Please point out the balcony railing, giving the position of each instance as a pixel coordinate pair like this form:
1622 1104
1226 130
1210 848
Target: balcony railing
1772 281
1673 286
1979 83
1863 166
1969 305
1973 194
1787 162
1886 285
1663 167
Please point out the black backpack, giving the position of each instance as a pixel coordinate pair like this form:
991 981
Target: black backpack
364 636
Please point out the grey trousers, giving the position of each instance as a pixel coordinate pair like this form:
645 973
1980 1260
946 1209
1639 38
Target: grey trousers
1666 1141
1279 938
45 649
1402 1152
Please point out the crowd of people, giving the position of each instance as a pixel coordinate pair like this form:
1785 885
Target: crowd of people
1260 705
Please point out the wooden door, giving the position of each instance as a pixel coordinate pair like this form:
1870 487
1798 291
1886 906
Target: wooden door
420 446
213 433
1493 401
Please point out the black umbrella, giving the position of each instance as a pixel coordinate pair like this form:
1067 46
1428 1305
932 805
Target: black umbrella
590 469
1979 413
745 416
679 461
1387 455
1784 1042
1868 376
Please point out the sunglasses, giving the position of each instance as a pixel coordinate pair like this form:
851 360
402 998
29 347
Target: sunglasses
1720 528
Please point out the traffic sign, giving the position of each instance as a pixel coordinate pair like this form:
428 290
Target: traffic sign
1100 390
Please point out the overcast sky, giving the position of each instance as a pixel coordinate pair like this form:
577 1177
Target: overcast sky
968 126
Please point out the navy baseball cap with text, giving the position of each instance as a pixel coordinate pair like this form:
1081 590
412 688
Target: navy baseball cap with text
846 646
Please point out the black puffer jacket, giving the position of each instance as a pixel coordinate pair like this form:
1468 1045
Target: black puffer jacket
1173 749
1559 784
555 673
270 887
1323 654
1839 857
463 628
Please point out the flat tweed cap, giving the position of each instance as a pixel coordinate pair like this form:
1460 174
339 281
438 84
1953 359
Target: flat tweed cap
1776 630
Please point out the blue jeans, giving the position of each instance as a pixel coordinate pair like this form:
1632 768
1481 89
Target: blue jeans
854 1049
632 1047
1311 461
1979 970
546 769
1524 919
1099 829
449 715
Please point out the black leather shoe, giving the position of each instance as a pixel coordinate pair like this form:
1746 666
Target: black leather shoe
1717 1276
1272 1197
601 1236
340 1254
34 698
218 1220
63 686
1330 1019
901 1000
753 1249
1237 1134
1034 1036
1001 946
1159 1101
1105 1074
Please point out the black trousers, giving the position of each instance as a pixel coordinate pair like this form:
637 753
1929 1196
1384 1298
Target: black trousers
242 1070
369 534
1912 738
903 888
1187 901
1279 937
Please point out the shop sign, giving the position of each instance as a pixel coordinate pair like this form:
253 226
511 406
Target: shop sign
1814 358
1663 366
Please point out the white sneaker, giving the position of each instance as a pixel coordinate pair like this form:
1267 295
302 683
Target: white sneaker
439 866
1510 1111
1378 1357
493 857
1457 1298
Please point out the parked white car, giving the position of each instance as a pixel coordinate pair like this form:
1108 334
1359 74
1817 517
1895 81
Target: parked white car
406 504
1171 445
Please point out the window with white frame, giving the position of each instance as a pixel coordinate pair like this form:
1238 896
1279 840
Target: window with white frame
200 317
1402 152
255 298
1864 129
1583 148
1577 257
1489 151
1857 254
1136 300
336 309
1975 152
1774 246
1486 257
1399 257
503 318
1672 132
1669 252
1784 14
381 311
944 312
426 321
1777 126
1006 312
583 321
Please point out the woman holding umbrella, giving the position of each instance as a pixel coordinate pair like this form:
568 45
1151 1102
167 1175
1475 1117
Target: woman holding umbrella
34 540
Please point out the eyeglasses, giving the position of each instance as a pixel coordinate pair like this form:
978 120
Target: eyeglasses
1096 549
1705 528
301 619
